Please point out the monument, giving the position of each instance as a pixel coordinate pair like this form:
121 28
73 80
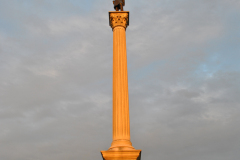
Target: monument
121 147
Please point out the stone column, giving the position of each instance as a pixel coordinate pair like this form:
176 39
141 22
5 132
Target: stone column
121 128
121 147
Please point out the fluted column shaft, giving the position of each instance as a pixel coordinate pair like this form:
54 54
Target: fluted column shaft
121 128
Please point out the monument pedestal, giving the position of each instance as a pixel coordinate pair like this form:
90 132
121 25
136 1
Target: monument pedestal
122 155
121 147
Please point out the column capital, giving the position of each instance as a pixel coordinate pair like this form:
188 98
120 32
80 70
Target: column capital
119 18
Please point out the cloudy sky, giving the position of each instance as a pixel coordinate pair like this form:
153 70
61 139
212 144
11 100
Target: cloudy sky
56 79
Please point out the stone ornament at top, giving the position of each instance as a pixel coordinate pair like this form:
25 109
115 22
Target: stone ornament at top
119 19
118 4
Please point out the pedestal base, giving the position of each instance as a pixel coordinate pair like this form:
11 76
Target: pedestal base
122 155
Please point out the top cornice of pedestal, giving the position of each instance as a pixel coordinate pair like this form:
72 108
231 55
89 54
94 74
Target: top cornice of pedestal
122 155
119 18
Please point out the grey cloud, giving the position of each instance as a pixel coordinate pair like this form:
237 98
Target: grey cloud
56 80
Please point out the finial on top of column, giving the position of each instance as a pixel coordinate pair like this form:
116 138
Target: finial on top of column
118 4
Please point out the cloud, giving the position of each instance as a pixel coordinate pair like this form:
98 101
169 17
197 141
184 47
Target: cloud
56 79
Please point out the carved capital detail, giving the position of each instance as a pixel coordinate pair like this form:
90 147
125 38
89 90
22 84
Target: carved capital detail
119 19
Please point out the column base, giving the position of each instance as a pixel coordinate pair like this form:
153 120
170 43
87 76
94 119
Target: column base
122 155
121 145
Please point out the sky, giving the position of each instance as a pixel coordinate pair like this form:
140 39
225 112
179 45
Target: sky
56 79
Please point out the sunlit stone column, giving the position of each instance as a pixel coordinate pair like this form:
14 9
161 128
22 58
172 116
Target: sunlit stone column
121 147
121 127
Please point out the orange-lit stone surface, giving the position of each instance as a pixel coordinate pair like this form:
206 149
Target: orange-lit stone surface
121 147
122 155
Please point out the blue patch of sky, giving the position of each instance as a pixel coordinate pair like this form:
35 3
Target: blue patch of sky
229 48
83 4
11 28
222 57
210 66
70 7
15 13
146 70
53 8
223 53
